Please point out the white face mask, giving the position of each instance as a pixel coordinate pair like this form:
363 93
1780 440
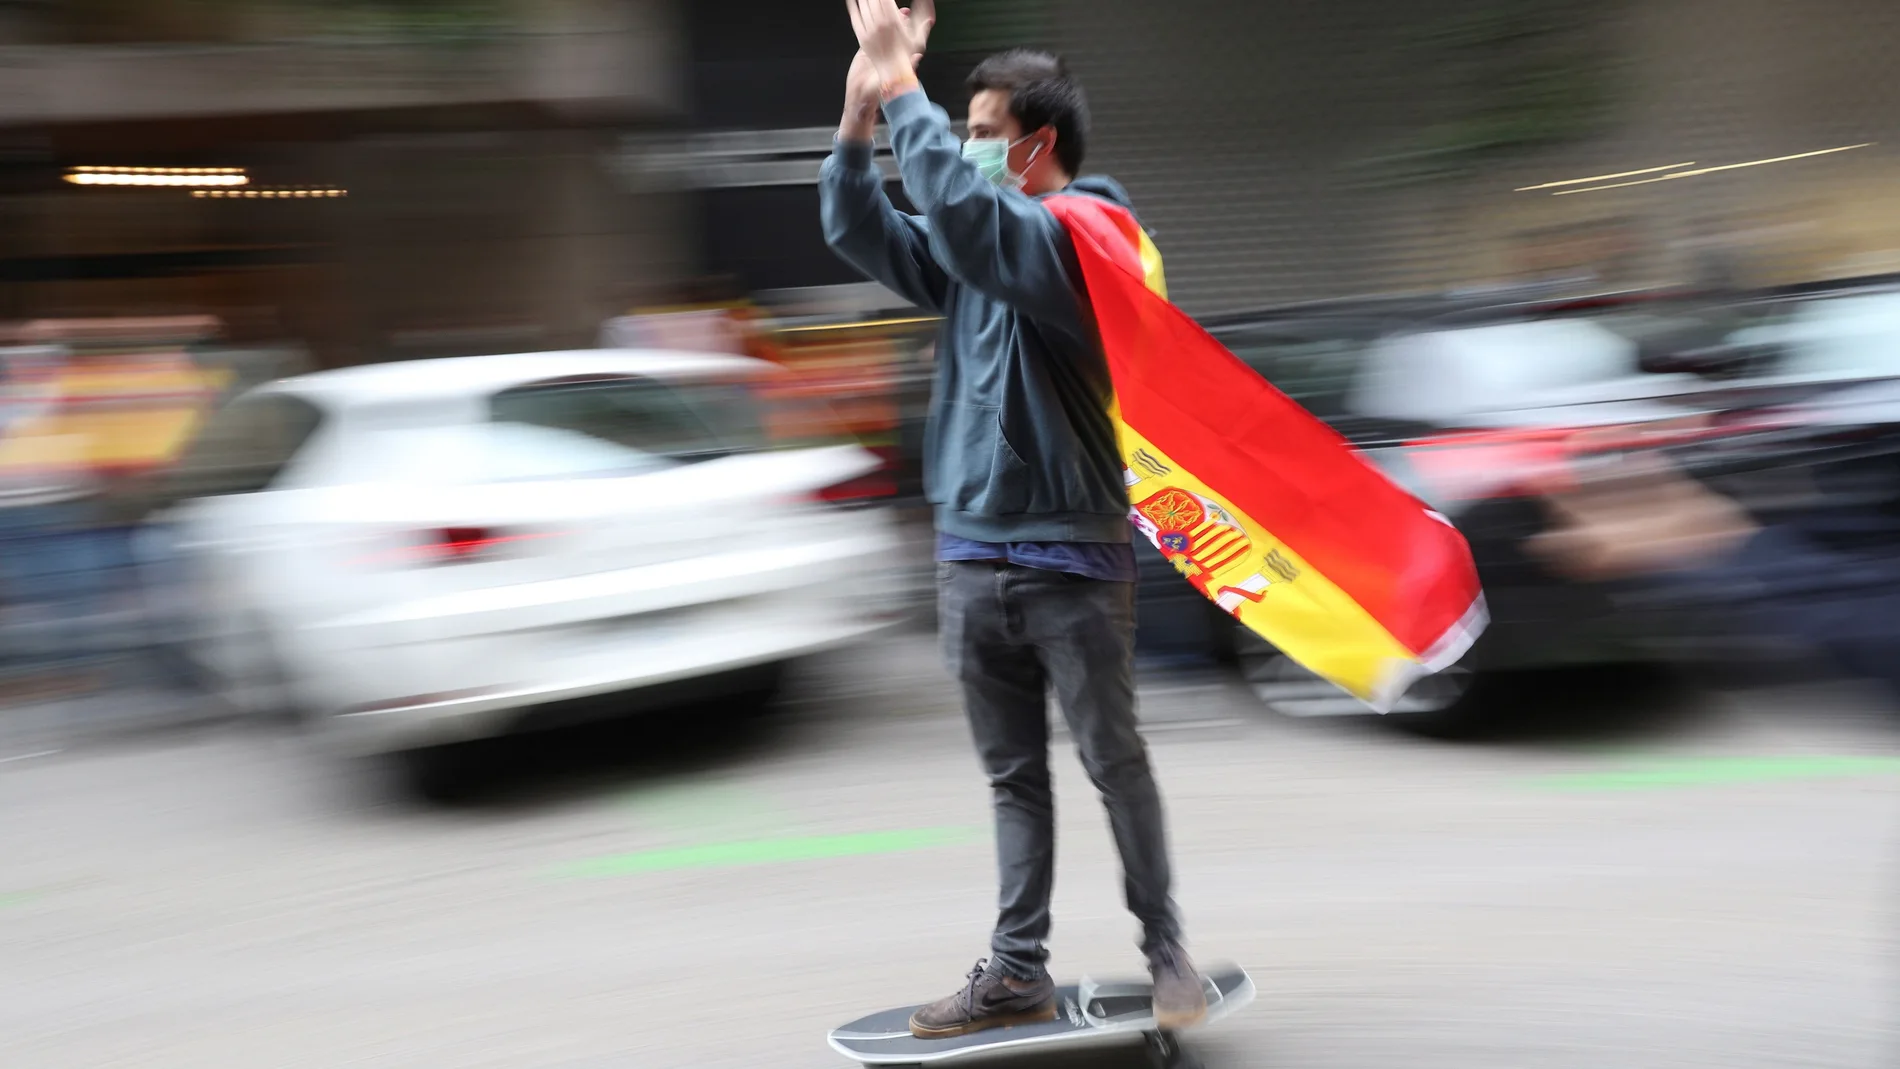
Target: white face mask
991 156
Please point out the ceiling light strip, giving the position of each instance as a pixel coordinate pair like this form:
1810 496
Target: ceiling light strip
1605 177
304 193
1712 170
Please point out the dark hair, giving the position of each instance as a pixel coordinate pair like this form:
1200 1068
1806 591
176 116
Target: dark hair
1041 93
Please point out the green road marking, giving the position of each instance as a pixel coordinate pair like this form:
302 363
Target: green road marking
770 851
16 898
700 808
1709 771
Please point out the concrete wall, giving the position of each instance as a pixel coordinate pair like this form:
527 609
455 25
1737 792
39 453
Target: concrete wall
1242 130
459 243
1722 83
489 206
609 56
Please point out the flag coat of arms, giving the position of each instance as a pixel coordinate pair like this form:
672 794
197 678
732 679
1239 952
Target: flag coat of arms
1265 509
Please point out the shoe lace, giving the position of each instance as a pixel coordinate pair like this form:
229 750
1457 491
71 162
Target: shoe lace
969 989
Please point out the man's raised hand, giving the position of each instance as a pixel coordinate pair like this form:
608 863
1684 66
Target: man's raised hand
864 83
921 17
861 89
892 38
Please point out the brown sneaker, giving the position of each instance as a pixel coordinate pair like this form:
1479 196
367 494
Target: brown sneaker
988 1000
1180 999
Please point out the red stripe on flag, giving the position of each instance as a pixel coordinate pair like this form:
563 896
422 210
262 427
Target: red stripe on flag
1268 457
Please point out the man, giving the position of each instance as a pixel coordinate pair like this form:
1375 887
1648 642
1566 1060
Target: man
1037 569
1828 577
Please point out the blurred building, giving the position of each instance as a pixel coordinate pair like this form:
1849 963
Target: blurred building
1302 152
512 173
426 176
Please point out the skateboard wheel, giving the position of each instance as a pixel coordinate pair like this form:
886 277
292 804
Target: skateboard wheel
1166 1052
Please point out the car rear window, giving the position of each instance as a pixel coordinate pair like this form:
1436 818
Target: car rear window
503 452
1818 338
678 421
1856 335
1315 369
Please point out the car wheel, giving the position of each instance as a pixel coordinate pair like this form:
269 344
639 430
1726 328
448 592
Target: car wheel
1449 703
755 691
449 774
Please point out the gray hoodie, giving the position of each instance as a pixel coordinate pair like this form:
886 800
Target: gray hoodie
1018 446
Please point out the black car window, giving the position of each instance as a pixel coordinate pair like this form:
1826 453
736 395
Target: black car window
244 447
501 451
681 420
1315 369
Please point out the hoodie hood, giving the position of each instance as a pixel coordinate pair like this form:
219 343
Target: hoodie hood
1100 185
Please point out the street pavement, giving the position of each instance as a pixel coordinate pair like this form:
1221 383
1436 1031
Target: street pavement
1633 879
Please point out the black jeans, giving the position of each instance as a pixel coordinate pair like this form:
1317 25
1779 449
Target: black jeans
1010 634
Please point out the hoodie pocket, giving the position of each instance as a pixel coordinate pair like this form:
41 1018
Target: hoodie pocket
1010 478
981 473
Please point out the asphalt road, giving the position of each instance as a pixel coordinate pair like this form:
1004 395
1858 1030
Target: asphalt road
1632 881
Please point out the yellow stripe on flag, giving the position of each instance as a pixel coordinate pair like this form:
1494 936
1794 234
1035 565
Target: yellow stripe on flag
1151 266
1306 617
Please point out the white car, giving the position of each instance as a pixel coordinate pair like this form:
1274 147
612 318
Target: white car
420 553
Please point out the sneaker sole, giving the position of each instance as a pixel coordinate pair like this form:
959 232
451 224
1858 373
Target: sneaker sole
1047 1013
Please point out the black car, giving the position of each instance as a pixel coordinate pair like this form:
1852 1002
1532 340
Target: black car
1464 403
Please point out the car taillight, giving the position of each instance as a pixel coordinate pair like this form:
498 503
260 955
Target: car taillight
867 488
453 545
861 490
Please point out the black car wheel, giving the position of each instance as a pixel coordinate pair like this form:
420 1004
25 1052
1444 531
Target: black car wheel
755 691
1446 703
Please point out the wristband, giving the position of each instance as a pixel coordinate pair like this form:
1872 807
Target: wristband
896 87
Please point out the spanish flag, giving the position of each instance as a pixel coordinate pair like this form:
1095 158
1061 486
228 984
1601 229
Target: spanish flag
1263 507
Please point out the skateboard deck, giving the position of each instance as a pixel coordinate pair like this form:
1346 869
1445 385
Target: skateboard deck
1086 1012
